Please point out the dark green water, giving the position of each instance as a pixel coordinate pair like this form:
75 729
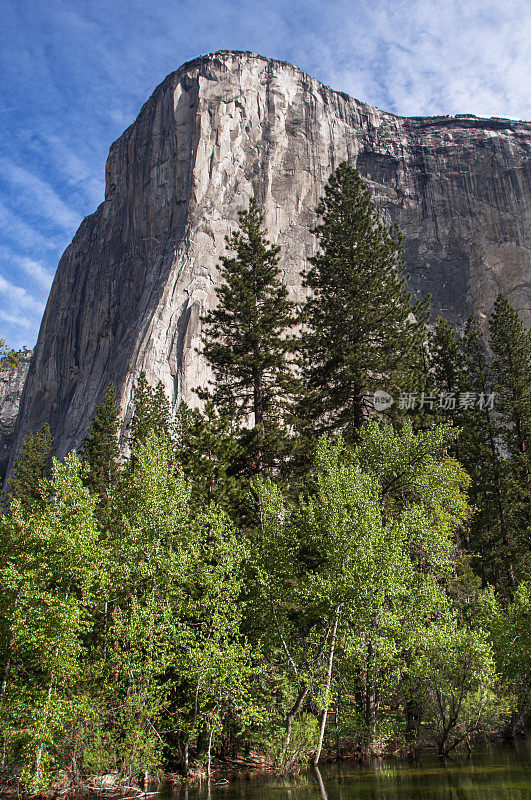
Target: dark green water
497 774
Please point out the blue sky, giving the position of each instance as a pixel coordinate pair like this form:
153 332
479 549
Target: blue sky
74 74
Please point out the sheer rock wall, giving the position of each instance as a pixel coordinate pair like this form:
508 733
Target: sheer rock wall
11 385
130 289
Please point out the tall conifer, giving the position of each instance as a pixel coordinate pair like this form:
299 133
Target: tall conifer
152 411
511 370
511 366
363 331
483 401
33 464
209 452
100 449
246 340
491 537
447 358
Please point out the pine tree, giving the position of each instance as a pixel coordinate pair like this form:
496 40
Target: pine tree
363 331
209 452
33 464
447 358
152 411
490 536
100 449
511 366
246 340
511 370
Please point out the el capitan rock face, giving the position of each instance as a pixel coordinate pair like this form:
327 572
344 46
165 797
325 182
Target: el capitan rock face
12 377
130 289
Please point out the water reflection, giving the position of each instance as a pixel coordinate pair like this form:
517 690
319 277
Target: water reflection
499 774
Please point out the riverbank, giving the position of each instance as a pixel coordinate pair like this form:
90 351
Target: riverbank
254 774
498 772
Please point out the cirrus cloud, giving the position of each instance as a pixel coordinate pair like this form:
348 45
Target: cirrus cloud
76 73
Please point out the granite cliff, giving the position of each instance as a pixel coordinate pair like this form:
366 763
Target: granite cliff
130 289
12 378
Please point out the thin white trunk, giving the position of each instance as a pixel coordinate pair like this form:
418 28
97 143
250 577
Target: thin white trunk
328 682
40 751
303 693
209 750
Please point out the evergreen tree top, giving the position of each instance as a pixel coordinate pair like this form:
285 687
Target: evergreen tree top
100 448
363 331
32 466
245 338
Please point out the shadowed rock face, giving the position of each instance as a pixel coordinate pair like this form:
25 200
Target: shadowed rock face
11 384
130 289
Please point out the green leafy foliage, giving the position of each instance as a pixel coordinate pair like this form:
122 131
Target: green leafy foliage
232 586
50 570
509 627
210 452
151 411
350 575
8 358
493 443
456 672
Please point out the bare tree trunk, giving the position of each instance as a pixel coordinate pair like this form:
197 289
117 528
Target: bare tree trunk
328 682
293 713
185 756
209 750
290 716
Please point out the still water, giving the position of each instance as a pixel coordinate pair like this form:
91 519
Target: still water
500 773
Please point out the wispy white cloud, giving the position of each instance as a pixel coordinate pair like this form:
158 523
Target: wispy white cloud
76 170
16 320
18 301
20 313
18 298
46 201
13 228
76 74
421 57
37 272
